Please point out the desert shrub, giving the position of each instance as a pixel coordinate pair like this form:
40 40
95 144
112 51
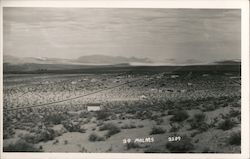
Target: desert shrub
102 115
112 129
179 116
83 149
199 117
66 142
132 145
46 135
8 133
55 142
193 134
21 146
143 115
159 121
234 113
209 107
85 114
128 126
172 111
157 130
226 124
73 127
184 145
198 122
55 118
140 126
174 128
43 135
235 138
107 126
203 127
94 137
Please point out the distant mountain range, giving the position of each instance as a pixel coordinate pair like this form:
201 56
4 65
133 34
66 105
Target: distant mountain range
12 64
108 60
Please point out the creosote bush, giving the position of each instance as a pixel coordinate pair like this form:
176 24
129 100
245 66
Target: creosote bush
94 137
21 146
226 124
102 115
235 138
132 145
179 116
112 129
157 130
198 122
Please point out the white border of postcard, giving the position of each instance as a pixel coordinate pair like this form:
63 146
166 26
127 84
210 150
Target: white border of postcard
212 4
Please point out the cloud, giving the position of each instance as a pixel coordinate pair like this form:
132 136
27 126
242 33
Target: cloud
206 34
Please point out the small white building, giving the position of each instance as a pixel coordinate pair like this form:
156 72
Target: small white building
189 84
94 107
73 82
174 76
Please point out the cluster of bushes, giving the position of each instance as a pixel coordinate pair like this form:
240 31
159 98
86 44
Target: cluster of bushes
143 115
43 135
112 129
209 107
174 127
234 113
73 127
21 146
198 122
179 116
235 138
55 118
226 124
103 115
132 145
8 132
128 126
157 130
94 137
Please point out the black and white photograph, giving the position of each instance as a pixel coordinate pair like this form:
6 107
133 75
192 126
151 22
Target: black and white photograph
122 80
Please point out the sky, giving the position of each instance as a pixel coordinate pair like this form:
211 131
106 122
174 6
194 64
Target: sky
164 34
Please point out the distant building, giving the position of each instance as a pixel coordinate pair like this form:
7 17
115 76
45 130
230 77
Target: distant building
174 76
73 82
94 106
189 84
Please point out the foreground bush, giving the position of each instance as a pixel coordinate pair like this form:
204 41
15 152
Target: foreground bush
21 146
132 145
157 130
8 133
184 145
198 122
94 137
235 138
102 115
73 127
55 118
43 135
112 129
226 124
179 116
128 126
